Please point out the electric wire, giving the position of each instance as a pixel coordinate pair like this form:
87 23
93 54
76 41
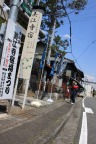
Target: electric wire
81 18
82 53
90 7
86 49
77 21
88 18
71 43
77 64
76 61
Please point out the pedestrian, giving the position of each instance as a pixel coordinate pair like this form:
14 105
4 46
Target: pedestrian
74 90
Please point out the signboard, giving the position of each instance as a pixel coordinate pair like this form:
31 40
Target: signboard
30 44
9 60
27 6
68 73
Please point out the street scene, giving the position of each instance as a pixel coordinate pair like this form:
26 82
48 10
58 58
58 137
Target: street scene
47 73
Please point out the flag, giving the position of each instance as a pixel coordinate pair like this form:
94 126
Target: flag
53 66
42 59
61 67
60 64
43 55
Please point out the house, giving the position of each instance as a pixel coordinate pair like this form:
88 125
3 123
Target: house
67 73
71 73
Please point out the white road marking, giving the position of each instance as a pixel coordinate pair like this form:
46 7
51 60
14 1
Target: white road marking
83 105
83 136
88 110
84 131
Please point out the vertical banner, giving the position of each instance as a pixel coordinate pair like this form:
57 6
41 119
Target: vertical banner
30 44
9 60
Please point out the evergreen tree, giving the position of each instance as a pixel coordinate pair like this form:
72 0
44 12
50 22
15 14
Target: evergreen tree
59 44
55 12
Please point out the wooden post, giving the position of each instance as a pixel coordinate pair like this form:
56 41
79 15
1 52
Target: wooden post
25 95
13 100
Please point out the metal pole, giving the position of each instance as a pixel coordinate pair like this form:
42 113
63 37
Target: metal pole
13 100
1 2
38 2
13 16
25 95
14 10
42 69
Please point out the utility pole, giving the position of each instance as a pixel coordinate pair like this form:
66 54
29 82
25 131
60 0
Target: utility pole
1 2
2 15
14 10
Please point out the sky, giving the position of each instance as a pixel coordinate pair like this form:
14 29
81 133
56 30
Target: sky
83 39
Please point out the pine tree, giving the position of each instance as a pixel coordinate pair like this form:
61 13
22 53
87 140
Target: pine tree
55 13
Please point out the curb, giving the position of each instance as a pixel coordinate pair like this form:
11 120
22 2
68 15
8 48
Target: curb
54 134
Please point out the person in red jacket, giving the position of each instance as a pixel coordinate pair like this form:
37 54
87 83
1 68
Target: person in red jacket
74 90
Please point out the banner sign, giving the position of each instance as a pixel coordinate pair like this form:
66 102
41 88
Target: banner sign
30 44
9 60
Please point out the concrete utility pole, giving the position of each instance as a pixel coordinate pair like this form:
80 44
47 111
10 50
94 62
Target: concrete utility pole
14 10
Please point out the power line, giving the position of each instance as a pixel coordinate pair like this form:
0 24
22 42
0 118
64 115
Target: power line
86 49
89 8
76 61
70 34
86 17
82 53
82 20
84 11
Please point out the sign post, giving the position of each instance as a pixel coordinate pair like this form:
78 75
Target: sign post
9 60
30 47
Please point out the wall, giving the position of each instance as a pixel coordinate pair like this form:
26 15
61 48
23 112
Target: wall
88 89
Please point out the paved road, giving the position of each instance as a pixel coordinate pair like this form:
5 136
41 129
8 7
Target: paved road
68 133
87 125
91 120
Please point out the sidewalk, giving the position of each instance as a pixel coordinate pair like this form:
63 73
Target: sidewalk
35 125
68 133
